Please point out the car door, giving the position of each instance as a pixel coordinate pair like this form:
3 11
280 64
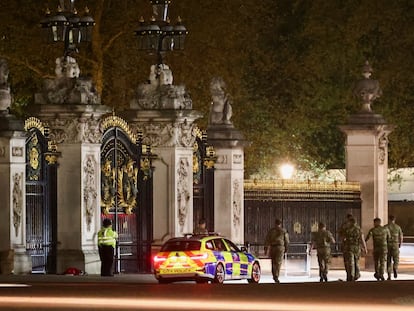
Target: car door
222 253
238 270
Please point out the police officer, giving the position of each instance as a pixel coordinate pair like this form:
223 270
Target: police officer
394 244
353 239
321 240
276 243
380 236
106 245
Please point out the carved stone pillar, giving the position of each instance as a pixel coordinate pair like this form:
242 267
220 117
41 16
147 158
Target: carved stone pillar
367 163
171 137
164 114
70 106
13 256
229 145
367 152
76 131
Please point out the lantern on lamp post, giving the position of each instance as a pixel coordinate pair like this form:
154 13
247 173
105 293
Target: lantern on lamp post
67 26
158 35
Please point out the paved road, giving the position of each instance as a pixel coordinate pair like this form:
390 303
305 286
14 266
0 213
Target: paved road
140 292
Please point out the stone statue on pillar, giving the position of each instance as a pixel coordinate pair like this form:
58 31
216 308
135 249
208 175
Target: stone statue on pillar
164 114
68 87
229 143
367 151
220 109
160 93
367 89
5 97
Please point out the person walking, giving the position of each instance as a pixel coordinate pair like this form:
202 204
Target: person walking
321 240
380 236
276 245
106 245
352 241
343 227
394 244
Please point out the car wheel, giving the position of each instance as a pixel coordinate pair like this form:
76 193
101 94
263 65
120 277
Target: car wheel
255 276
220 274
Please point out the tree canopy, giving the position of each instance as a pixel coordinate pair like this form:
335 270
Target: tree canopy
289 65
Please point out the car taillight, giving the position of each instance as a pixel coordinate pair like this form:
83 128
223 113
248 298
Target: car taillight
158 259
199 256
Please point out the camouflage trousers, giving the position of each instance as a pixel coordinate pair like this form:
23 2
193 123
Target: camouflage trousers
393 257
380 258
324 259
276 253
351 261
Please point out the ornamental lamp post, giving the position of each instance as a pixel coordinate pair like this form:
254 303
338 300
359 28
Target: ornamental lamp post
67 26
158 35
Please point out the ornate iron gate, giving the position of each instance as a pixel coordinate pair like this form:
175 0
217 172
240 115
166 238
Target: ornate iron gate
203 181
126 194
300 206
41 197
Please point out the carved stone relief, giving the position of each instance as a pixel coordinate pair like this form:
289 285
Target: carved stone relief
89 189
237 202
183 191
17 201
17 151
2 151
86 130
221 159
237 158
178 134
382 148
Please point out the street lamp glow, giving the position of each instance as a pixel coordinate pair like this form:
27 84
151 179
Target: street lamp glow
287 170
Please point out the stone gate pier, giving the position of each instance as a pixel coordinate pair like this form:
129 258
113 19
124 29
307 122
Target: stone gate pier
13 256
229 144
163 112
71 107
367 152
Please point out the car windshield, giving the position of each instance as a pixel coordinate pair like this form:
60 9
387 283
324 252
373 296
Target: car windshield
181 246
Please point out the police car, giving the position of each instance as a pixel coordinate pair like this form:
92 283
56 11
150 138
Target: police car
204 259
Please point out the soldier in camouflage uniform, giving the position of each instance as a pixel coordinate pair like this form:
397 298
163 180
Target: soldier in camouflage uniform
394 244
380 236
352 241
276 243
342 228
321 240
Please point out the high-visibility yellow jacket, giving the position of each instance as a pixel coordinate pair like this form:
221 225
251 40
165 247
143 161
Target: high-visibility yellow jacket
107 236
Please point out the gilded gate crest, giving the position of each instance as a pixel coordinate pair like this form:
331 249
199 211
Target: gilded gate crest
108 187
34 158
120 167
128 186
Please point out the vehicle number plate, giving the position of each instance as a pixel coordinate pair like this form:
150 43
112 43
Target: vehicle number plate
176 270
